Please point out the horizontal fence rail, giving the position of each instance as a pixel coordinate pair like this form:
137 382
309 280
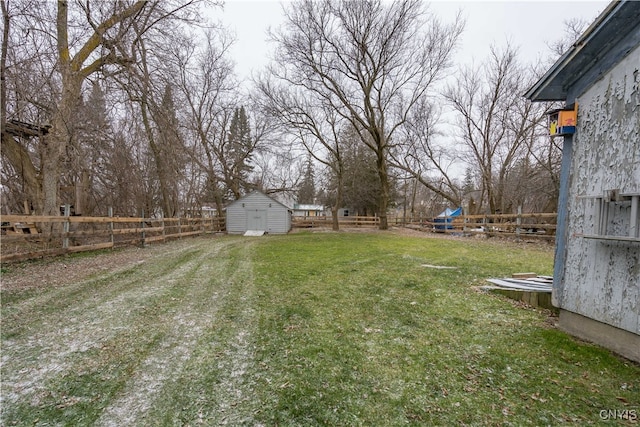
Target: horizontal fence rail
28 236
535 225
326 221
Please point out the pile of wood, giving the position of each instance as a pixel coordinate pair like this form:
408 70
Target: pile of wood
529 288
19 228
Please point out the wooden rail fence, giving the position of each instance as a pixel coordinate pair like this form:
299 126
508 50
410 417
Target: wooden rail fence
534 225
28 236
326 221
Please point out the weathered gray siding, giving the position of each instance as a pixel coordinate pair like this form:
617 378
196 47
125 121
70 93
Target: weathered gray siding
602 277
236 219
278 217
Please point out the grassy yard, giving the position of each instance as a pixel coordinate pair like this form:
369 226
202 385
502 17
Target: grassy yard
304 329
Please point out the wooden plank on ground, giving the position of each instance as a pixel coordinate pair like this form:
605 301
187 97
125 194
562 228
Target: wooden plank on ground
523 275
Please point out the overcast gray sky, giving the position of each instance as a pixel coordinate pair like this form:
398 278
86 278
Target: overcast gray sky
527 24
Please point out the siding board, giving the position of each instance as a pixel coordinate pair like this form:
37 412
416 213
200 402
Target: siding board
602 278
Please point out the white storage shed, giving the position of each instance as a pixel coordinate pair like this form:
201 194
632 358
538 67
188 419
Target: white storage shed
258 212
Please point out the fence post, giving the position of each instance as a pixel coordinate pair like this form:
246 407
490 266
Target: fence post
111 225
518 223
633 225
179 229
164 238
65 226
485 221
142 228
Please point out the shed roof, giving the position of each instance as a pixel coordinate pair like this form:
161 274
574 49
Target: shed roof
243 198
614 34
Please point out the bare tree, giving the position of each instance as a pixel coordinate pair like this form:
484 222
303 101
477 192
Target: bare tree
86 38
6 23
227 135
371 61
496 124
74 69
143 89
546 154
314 124
573 29
419 155
148 82
205 78
27 88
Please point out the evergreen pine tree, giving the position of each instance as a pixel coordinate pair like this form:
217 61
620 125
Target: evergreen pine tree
239 153
307 189
469 185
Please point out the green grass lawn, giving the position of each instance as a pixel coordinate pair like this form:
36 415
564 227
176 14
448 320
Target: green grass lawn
304 329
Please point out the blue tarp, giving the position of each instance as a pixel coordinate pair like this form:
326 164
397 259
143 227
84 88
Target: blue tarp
446 218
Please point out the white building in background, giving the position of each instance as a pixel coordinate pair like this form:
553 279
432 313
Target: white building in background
308 210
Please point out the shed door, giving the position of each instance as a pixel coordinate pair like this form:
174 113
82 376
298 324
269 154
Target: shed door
257 219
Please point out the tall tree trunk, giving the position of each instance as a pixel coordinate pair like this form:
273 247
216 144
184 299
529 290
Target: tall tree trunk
335 224
384 189
3 64
219 204
73 72
56 141
20 159
167 204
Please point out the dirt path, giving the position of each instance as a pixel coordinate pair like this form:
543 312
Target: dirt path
137 327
